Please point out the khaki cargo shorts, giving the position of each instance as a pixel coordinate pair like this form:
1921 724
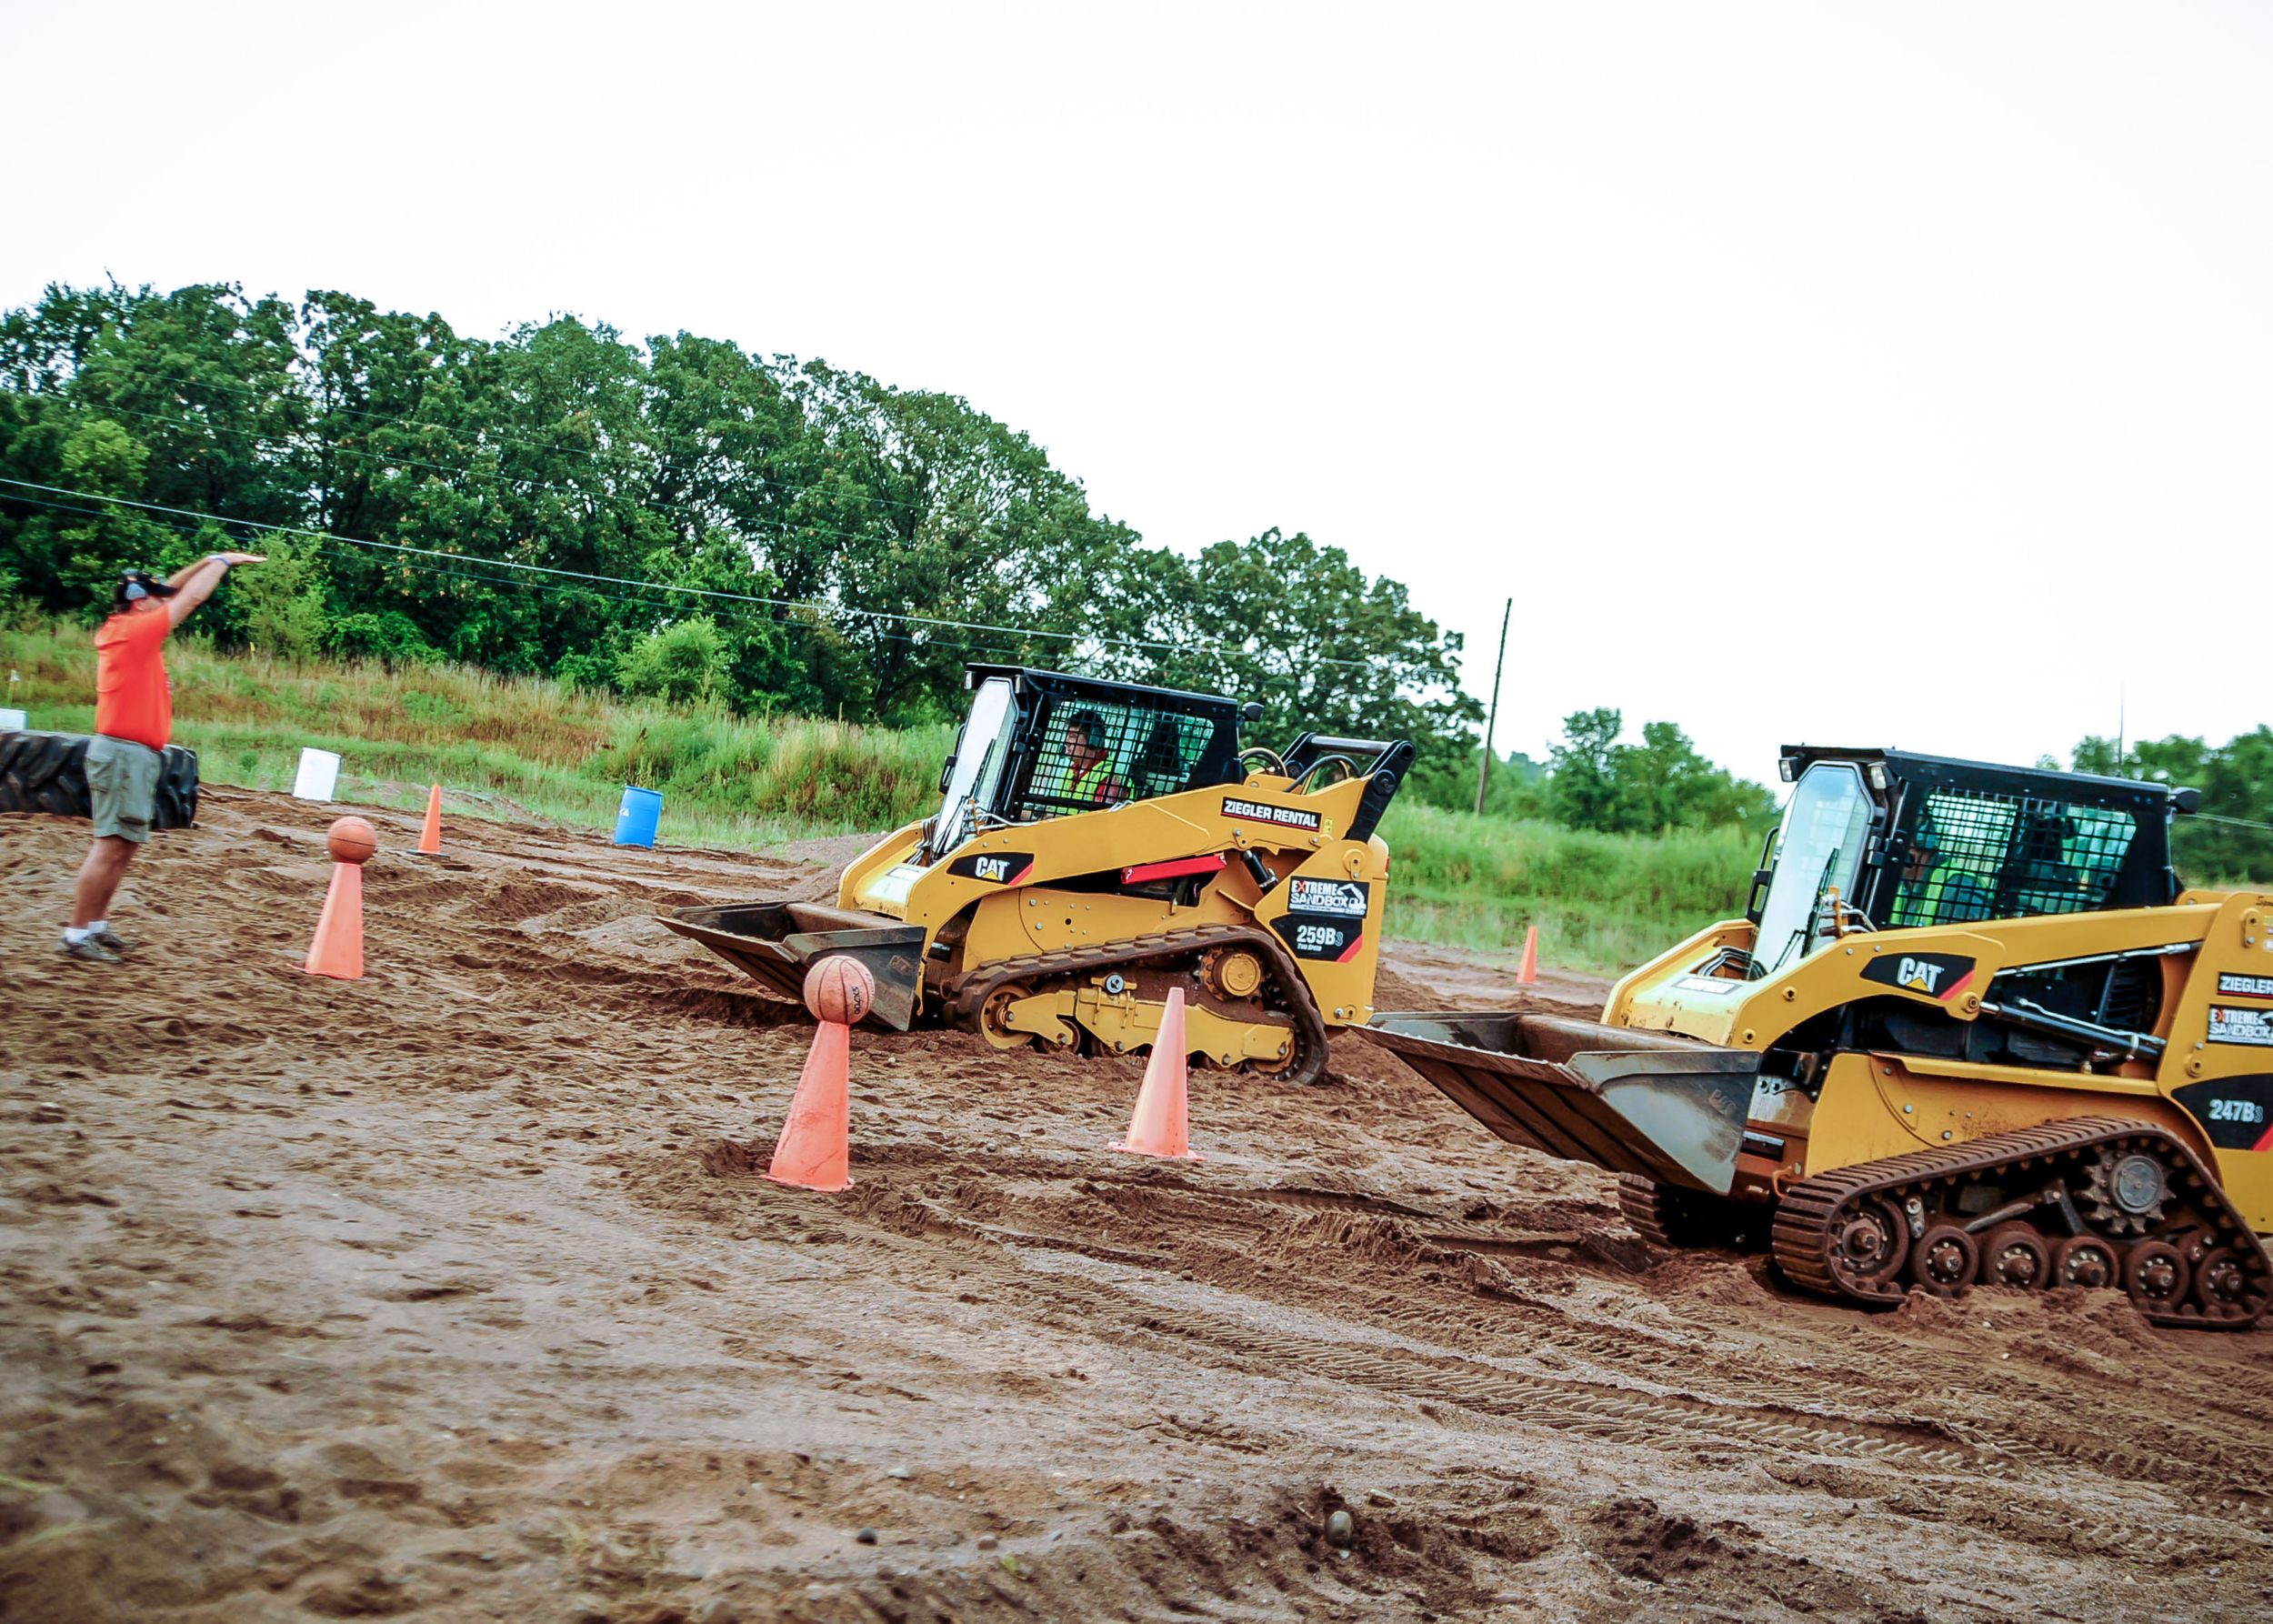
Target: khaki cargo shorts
122 781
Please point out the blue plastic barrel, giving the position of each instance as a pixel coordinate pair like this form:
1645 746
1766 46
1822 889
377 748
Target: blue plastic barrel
636 819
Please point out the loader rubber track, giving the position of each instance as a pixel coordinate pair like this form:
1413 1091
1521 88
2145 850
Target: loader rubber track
966 994
2200 1266
1676 1220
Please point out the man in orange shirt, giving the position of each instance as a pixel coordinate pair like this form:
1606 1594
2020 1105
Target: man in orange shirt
134 719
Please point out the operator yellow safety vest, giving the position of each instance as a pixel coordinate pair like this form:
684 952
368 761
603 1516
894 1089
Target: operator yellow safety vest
1090 786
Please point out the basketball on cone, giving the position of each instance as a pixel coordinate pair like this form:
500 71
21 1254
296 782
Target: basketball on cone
840 989
352 841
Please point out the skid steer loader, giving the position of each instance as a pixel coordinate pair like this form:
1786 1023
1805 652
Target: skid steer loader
1969 1030
1099 844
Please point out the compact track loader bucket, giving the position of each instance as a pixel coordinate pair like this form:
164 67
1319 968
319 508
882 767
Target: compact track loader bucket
777 942
1669 1109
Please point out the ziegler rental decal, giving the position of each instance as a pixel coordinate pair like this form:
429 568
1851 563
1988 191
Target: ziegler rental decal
2251 1027
2234 986
1286 818
1341 899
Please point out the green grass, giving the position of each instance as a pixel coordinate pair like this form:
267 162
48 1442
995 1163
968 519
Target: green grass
519 748
506 746
1602 902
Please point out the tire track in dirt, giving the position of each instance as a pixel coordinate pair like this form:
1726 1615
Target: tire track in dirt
1667 1420
483 1192
1615 1415
1903 1448
1235 1218
2192 1458
2196 1461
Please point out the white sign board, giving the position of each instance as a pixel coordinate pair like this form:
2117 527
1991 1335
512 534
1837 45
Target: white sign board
318 776
15 721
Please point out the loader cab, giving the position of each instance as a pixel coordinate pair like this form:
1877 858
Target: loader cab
1043 743
1886 839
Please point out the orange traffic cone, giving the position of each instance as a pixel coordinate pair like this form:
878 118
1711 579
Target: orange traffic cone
337 949
812 1153
430 837
1527 972
1162 1124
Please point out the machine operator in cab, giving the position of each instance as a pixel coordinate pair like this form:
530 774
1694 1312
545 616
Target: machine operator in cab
1090 779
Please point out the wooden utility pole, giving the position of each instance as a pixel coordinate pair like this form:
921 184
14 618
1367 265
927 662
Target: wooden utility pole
1491 722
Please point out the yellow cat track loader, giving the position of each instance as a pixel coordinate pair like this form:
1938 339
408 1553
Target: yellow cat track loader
1097 845
1970 1030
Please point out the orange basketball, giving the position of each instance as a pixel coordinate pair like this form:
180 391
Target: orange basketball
840 989
352 841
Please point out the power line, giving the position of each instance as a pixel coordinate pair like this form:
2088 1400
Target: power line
2240 822
676 444
751 610
814 606
810 627
390 459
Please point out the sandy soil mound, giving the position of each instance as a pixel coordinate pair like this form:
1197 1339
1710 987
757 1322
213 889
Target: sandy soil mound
455 1293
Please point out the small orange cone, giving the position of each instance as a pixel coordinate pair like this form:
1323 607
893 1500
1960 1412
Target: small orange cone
1162 1123
813 1153
1527 972
430 837
337 949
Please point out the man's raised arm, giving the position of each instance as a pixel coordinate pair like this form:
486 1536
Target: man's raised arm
195 584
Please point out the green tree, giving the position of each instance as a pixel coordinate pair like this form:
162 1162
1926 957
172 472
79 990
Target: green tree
281 604
1296 625
554 500
387 636
1584 790
2228 842
1665 784
684 662
1516 790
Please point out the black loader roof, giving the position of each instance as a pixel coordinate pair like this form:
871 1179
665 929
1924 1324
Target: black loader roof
1062 684
2138 794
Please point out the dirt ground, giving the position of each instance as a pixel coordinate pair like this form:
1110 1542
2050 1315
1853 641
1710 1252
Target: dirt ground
451 1293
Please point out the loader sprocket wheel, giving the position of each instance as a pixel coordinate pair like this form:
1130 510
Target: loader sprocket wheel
1232 972
2124 1192
2148 1206
991 1014
1282 997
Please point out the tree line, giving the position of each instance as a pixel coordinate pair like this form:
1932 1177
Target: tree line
862 542
694 522
2229 840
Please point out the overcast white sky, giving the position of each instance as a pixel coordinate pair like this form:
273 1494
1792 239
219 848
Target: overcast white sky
1841 374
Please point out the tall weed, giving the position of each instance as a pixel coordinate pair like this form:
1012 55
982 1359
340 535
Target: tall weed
519 747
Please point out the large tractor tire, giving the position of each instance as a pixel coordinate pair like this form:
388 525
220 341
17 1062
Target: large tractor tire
46 772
